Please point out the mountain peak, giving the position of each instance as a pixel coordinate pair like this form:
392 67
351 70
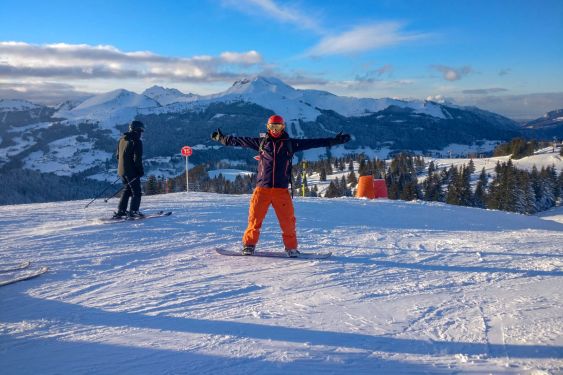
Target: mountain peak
165 96
259 84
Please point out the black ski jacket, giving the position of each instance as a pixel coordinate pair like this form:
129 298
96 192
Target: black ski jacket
130 155
274 164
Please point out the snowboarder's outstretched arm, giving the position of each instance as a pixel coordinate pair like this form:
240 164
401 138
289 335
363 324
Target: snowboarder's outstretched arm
305 144
229 140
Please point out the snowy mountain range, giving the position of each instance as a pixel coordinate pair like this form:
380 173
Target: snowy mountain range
78 138
549 125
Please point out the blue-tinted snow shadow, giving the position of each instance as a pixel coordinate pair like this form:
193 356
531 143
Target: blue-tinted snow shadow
376 260
412 215
467 251
30 308
55 356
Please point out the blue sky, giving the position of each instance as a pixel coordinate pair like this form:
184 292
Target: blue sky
505 56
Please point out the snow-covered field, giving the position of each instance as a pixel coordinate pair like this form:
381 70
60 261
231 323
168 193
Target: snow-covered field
412 287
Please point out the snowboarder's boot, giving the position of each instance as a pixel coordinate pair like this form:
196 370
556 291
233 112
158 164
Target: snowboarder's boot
292 253
136 215
248 249
119 214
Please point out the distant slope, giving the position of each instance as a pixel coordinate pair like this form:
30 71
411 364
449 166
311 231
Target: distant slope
547 126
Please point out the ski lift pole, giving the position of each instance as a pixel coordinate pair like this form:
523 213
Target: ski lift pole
187 176
186 152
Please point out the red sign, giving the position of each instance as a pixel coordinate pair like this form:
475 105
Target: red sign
187 151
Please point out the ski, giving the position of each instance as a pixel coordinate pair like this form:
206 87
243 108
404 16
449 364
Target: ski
275 254
26 276
111 220
14 267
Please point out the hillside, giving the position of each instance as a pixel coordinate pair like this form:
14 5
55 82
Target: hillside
412 287
32 136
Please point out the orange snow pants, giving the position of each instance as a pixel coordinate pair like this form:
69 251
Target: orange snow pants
283 206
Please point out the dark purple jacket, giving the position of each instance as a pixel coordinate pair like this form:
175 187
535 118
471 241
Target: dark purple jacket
274 165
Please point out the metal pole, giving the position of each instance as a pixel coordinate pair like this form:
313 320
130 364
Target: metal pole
99 195
303 179
187 179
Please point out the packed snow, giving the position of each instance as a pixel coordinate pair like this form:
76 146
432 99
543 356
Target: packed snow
412 287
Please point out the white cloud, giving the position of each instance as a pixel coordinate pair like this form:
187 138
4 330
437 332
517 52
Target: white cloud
524 106
452 74
247 58
82 61
271 12
364 38
492 90
48 93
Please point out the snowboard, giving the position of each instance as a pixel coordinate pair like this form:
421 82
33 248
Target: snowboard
111 220
275 254
14 267
24 276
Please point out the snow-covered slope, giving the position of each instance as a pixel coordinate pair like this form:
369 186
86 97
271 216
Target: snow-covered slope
111 108
411 288
7 105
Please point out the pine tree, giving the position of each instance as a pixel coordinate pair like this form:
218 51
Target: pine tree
344 187
401 178
471 167
466 198
151 186
322 175
453 195
171 185
352 179
363 170
332 190
480 196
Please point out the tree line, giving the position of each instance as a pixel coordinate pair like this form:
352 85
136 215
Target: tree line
508 189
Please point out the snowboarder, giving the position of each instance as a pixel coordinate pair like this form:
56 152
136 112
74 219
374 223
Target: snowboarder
274 174
130 168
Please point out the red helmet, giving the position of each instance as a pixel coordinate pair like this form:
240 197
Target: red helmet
275 126
276 119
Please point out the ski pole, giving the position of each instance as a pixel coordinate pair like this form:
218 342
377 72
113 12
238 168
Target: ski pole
99 195
117 192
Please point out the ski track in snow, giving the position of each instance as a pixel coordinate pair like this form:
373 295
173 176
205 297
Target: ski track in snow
412 287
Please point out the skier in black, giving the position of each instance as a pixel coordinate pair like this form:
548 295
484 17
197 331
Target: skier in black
130 168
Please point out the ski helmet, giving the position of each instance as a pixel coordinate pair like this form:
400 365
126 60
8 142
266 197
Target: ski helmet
276 119
136 126
275 126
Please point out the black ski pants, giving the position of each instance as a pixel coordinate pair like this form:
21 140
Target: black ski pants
131 189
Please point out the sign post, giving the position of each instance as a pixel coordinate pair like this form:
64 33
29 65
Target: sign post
304 178
187 152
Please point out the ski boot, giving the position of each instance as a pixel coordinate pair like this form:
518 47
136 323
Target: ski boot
248 249
120 214
134 215
292 253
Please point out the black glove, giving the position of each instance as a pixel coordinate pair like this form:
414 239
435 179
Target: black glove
341 138
217 135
